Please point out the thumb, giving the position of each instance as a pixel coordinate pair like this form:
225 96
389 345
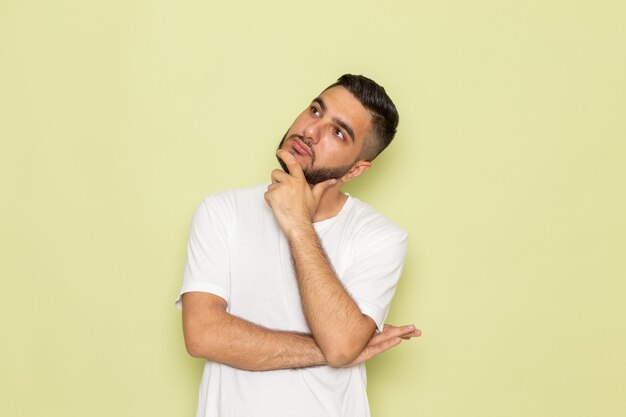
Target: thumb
319 188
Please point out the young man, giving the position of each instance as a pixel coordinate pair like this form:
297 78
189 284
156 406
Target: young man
287 286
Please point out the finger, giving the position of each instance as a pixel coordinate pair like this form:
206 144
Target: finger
292 164
410 335
381 347
319 188
416 333
278 175
272 186
401 330
265 196
390 332
383 337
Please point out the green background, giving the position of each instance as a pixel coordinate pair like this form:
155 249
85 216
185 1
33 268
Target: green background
508 171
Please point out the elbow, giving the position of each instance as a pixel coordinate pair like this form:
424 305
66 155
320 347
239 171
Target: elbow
337 361
338 356
344 349
198 342
194 347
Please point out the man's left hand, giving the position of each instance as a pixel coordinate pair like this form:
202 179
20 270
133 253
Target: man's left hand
291 198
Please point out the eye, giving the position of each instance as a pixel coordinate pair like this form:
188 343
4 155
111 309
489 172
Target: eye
339 134
315 111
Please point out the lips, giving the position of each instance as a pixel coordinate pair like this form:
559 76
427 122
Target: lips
301 148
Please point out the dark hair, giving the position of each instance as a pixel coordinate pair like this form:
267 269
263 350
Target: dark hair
384 114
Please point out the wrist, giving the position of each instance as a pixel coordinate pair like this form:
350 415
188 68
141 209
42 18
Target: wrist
299 230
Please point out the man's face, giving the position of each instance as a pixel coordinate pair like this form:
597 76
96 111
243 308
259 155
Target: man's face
327 137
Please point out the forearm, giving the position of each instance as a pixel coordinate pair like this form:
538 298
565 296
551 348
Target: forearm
336 322
224 338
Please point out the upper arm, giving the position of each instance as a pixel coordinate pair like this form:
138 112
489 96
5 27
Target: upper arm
201 312
372 277
208 250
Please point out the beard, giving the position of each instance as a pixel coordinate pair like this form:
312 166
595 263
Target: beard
316 175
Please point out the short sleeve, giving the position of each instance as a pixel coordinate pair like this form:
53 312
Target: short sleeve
374 272
208 250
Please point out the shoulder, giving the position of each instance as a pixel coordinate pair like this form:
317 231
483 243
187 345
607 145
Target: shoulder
376 227
229 199
224 205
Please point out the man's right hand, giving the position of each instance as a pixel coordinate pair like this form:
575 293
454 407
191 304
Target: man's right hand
381 342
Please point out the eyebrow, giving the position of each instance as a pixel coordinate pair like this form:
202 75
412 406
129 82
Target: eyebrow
345 126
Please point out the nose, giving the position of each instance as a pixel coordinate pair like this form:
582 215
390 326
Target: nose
312 132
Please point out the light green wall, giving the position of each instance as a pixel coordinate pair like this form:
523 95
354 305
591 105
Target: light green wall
117 117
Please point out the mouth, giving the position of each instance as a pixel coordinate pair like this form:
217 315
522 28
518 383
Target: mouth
302 148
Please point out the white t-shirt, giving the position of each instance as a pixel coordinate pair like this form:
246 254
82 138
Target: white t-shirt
238 252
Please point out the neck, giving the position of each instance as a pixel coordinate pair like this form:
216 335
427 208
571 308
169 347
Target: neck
330 204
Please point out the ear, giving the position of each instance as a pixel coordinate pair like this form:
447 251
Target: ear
358 168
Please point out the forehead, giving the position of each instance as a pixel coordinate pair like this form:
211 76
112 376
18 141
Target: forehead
341 104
